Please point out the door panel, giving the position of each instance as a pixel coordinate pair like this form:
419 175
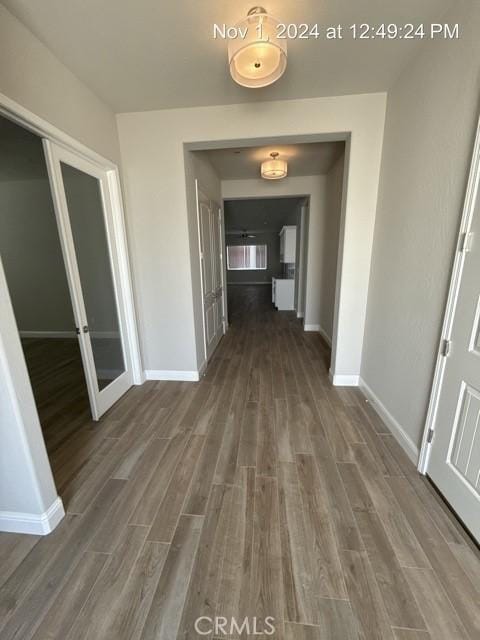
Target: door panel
206 240
82 206
211 270
85 210
454 464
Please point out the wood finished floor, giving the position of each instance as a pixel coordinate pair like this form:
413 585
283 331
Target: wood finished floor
259 491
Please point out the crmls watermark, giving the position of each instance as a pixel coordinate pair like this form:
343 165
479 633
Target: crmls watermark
221 626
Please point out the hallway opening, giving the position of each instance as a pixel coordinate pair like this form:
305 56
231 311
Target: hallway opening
261 218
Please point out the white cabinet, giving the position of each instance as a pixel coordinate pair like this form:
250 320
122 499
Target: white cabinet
283 293
288 244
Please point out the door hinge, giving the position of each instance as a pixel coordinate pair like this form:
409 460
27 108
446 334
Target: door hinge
446 346
430 435
466 242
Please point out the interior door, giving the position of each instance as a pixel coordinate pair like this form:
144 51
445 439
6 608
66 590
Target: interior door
211 271
218 269
83 209
454 464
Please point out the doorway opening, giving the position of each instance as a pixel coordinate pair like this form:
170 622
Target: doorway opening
32 260
282 238
63 284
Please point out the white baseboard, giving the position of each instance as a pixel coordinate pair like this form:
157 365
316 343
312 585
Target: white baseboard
320 330
35 524
300 314
47 334
397 431
325 336
341 380
170 374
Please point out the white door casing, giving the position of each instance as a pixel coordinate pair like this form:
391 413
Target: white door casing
451 448
101 396
211 265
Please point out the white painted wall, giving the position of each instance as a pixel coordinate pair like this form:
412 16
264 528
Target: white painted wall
431 118
31 76
159 220
27 489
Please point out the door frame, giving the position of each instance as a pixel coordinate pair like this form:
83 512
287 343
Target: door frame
28 120
461 249
199 190
18 388
100 399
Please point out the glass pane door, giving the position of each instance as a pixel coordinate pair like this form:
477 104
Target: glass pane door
85 211
85 220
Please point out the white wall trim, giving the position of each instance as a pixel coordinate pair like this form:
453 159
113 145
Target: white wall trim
27 119
300 314
396 429
343 380
311 327
170 374
35 524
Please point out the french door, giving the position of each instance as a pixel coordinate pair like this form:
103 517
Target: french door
83 209
211 260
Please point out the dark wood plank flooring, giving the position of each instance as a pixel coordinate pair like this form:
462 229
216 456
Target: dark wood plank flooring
259 492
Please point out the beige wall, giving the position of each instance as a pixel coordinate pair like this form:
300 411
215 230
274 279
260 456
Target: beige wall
162 224
429 135
32 76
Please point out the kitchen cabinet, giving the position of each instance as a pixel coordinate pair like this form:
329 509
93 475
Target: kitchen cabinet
288 244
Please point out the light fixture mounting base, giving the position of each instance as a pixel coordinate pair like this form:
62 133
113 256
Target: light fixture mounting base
254 10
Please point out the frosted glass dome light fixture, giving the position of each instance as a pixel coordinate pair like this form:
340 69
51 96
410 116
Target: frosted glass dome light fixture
274 169
260 57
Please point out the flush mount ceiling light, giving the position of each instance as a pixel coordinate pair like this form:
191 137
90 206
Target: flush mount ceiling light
259 58
274 169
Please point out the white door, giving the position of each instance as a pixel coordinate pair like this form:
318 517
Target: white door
454 463
209 228
218 269
83 208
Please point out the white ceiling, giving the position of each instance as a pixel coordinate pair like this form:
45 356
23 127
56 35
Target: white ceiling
309 159
151 54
